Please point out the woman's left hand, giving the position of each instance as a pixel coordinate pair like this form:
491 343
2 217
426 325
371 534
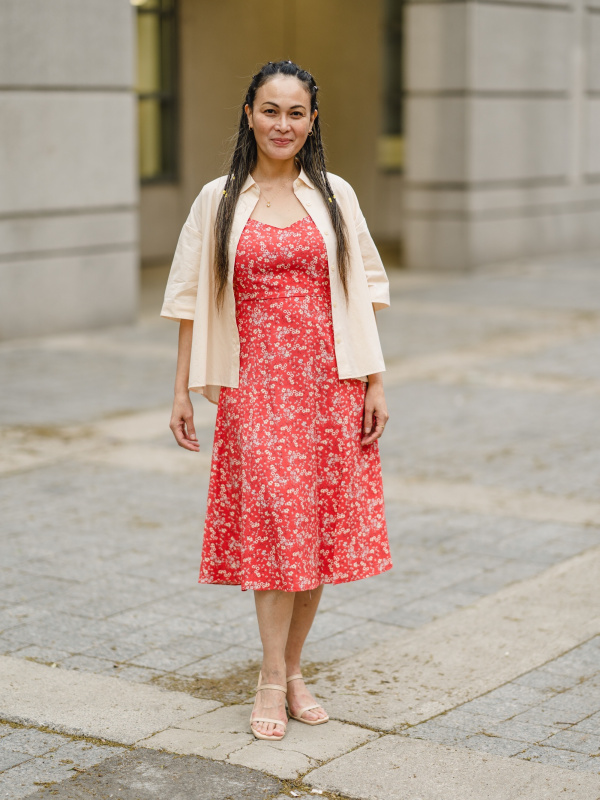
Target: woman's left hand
376 414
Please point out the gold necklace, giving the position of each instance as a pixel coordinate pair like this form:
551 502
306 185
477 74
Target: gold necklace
273 196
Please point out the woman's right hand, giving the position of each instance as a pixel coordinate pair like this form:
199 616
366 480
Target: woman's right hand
182 423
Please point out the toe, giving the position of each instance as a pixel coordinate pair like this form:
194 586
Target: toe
314 714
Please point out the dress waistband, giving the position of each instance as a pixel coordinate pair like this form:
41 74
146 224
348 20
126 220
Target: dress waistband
243 296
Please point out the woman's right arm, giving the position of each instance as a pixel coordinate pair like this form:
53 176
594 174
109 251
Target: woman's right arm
182 418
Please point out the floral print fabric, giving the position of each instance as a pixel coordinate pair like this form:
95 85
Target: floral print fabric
294 499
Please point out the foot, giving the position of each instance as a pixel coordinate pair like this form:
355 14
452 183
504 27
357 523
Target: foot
298 697
270 703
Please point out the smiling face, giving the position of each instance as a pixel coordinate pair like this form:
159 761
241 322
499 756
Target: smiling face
281 117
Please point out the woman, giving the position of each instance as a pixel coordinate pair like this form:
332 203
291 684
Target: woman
275 282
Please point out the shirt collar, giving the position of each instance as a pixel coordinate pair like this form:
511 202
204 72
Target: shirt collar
302 177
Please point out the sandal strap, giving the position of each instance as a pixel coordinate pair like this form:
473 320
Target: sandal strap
296 677
271 686
308 708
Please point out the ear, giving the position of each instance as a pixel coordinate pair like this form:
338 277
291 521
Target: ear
248 111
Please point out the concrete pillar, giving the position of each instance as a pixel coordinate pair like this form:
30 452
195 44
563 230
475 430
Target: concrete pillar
503 119
68 172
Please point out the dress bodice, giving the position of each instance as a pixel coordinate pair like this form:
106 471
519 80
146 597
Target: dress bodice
280 262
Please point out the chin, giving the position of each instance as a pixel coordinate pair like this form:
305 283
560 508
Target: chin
283 153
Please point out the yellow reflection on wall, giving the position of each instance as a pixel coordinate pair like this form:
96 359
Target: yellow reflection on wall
156 88
390 152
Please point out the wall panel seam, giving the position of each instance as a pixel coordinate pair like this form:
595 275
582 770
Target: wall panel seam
511 3
18 87
493 94
493 184
34 255
69 212
504 213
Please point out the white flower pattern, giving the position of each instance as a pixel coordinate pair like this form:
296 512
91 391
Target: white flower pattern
294 499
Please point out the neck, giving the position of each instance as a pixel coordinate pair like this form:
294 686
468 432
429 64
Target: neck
270 169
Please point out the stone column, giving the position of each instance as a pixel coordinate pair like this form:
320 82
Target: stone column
68 172
503 124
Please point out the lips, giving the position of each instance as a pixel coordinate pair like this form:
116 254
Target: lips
281 141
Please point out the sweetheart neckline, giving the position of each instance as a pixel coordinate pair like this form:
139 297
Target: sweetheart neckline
277 228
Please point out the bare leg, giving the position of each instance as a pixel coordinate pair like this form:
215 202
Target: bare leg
274 611
305 608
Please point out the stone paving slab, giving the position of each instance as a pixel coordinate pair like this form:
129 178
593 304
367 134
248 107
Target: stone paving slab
74 383
398 767
38 757
109 440
550 715
303 748
89 704
494 437
488 348
494 500
150 775
575 361
415 676
224 734
543 287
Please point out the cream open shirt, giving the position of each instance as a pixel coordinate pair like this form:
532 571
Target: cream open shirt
215 356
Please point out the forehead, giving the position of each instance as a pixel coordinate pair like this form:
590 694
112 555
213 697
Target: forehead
285 90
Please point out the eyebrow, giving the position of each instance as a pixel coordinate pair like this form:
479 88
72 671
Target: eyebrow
271 103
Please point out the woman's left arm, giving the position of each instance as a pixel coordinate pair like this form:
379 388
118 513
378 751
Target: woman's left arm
375 414
377 279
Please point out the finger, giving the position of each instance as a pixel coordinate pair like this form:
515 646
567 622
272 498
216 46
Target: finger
188 445
190 430
368 420
181 437
189 435
379 422
370 438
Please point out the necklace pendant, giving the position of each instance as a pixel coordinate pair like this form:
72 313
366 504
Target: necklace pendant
269 204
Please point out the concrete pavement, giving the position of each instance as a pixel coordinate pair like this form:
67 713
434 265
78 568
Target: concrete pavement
472 669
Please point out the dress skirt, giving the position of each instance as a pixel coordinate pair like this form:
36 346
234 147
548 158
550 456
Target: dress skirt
294 499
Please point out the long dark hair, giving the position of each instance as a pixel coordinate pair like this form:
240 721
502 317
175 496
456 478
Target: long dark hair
311 157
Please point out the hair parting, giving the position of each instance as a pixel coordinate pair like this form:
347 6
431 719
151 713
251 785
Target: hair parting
311 157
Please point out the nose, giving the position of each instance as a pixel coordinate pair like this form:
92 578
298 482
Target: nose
283 124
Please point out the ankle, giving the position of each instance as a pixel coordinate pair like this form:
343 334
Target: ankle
273 673
292 668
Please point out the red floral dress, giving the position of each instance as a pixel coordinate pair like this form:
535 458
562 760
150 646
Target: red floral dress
294 499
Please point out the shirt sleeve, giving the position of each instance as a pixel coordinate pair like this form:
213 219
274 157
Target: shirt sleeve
377 279
182 284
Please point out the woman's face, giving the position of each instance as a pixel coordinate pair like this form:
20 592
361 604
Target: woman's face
281 117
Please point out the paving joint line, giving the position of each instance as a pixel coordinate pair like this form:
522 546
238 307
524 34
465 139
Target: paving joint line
74 737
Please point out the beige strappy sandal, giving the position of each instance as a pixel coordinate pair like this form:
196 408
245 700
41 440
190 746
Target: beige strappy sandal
306 708
256 733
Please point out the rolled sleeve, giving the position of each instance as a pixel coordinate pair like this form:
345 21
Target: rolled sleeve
182 285
377 279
